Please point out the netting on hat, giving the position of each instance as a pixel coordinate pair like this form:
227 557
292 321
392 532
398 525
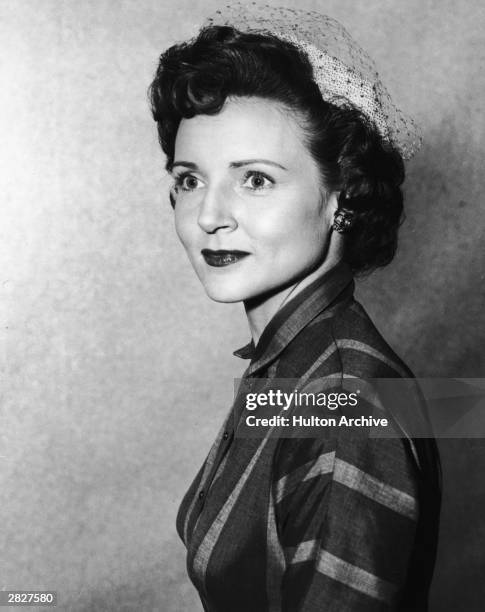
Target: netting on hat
343 71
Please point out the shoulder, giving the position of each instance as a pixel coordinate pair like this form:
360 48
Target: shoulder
362 349
342 341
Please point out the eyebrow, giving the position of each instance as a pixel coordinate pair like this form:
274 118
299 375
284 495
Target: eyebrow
235 164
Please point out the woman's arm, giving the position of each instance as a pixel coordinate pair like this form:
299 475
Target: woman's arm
346 510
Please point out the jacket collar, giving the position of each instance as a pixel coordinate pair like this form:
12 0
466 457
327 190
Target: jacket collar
295 315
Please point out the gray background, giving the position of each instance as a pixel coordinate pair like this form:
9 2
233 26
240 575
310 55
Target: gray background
116 369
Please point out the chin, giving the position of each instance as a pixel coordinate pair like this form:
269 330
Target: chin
225 295
227 292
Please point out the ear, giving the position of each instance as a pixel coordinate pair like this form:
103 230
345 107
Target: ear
332 205
172 198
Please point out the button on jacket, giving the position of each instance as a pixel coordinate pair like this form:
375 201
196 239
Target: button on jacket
336 523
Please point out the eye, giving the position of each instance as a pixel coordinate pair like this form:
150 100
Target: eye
257 181
186 182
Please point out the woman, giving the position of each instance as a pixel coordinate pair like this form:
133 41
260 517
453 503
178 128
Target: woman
286 154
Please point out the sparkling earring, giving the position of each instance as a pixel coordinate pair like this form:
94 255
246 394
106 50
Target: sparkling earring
342 220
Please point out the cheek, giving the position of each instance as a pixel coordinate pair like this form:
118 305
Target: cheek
184 226
292 228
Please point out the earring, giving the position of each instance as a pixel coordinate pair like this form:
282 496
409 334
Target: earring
342 220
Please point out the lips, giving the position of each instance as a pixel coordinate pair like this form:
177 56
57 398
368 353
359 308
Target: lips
222 258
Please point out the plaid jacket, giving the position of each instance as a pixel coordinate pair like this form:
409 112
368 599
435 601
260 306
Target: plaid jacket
335 523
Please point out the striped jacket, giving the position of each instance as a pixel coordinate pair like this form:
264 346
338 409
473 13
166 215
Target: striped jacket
341 522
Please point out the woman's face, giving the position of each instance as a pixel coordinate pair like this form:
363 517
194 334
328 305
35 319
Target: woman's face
250 209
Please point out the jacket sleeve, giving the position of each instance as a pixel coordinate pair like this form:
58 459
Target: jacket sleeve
346 510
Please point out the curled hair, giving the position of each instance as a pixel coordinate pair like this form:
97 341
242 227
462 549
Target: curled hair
197 76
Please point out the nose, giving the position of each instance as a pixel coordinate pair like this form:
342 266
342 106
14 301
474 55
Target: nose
216 211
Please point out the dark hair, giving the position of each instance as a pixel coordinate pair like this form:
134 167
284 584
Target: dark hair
196 77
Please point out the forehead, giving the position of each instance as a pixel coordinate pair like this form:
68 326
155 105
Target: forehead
244 128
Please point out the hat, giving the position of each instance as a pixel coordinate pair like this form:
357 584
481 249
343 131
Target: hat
343 71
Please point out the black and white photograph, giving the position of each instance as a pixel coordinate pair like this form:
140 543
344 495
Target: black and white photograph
242 255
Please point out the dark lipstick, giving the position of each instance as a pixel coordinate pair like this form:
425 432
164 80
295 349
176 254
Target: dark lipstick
222 257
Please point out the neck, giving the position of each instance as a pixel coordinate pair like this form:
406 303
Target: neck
259 311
